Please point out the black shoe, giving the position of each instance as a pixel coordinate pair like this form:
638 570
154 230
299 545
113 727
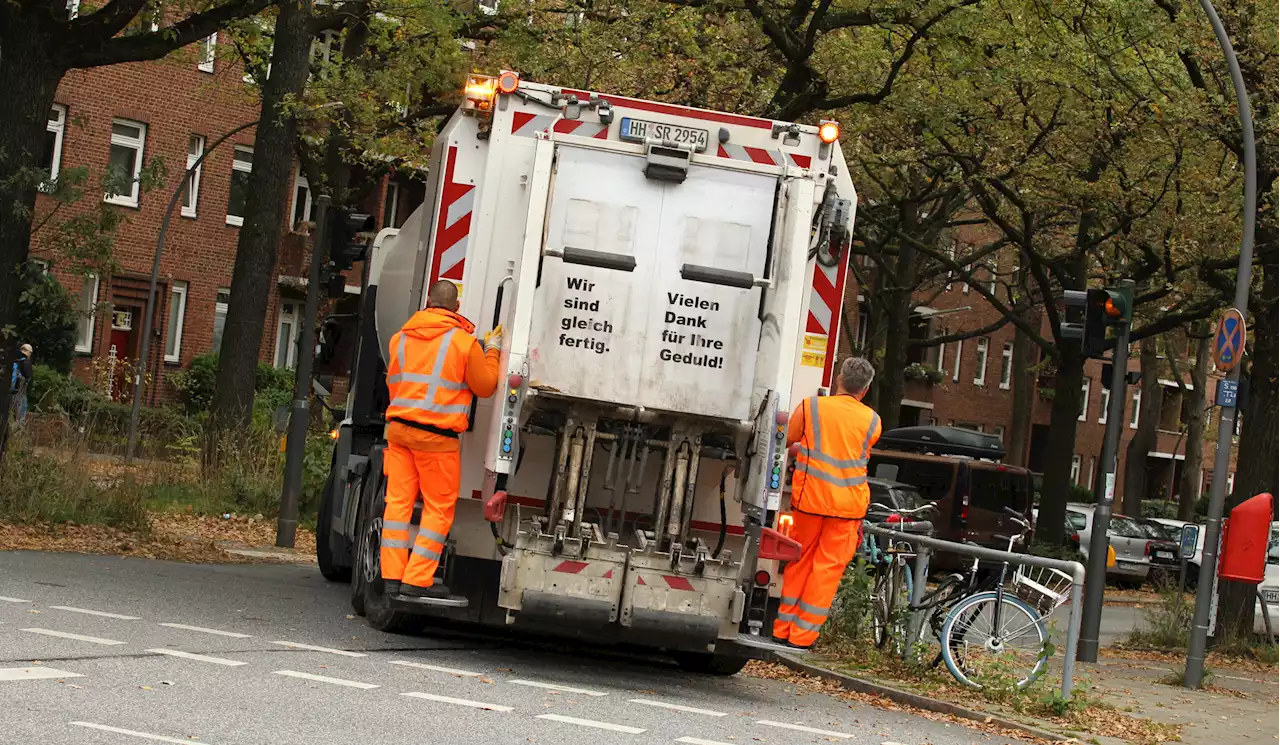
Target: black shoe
780 641
436 591
391 587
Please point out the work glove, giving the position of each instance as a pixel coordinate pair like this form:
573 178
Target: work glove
493 338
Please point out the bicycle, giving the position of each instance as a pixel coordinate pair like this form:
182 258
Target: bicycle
892 586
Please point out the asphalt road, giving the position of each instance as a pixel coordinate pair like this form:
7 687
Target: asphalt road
108 650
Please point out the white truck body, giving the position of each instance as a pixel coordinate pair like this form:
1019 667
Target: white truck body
668 297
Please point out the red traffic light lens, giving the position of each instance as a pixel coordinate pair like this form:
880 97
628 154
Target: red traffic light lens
1111 310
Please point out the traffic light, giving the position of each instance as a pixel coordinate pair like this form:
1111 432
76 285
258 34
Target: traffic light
1088 315
345 245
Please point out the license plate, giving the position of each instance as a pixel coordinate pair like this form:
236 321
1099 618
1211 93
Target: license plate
1271 596
1164 555
639 130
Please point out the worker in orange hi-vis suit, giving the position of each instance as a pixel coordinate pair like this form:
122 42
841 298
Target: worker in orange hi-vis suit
436 369
829 497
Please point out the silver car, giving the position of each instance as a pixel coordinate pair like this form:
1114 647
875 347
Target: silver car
1132 547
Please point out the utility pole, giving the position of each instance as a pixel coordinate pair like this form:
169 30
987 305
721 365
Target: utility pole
1104 490
300 414
1227 423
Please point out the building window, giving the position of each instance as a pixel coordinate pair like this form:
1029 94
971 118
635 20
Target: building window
1106 404
87 308
302 206
980 377
1075 469
967 425
287 336
51 163
1088 478
220 317
177 312
955 373
998 431
241 167
1137 404
191 193
391 209
208 51
125 162
942 356
488 7
1006 366
1084 400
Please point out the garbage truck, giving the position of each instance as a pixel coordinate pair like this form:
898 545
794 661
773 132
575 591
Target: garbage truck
670 282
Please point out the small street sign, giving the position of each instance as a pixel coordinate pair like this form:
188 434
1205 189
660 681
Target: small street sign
1187 541
1228 391
1228 340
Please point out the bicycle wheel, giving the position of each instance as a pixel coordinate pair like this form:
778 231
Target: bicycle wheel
973 645
890 611
880 593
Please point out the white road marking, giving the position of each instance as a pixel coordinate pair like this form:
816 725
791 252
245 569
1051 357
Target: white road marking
437 668
678 707
802 728
198 657
343 652
88 612
77 637
556 687
131 733
34 673
592 723
323 679
699 741
458 701
203 630
4 599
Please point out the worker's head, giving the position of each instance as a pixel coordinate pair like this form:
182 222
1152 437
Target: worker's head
855 377
443 294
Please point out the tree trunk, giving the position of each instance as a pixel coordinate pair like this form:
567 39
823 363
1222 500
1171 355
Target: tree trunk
1192 476
253 277
1144 440
1024 391
889 381
1061 446
29 77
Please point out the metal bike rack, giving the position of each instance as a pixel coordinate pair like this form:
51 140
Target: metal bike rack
925 545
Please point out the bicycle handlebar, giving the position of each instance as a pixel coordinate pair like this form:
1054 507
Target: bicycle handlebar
929 507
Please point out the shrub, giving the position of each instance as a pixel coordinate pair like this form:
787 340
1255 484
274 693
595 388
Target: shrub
42 488
46 317
1080 493
1168 624
273 386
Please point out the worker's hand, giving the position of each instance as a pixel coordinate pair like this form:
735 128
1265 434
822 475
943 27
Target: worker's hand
493 338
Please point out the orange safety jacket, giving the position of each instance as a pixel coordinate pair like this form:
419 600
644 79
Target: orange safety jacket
835 435
428 376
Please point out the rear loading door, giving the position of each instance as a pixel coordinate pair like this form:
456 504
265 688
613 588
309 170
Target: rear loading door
618 317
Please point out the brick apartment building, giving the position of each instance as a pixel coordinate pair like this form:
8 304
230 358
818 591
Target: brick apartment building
975 391
123 116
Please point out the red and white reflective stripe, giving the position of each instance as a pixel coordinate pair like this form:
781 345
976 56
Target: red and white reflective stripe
524 124
671 582
824 308
579 128
453 224
601 569
762 156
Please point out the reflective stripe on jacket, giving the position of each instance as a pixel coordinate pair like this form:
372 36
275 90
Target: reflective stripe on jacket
427 371
836 435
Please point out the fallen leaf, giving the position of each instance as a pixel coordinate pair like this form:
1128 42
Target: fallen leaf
146 688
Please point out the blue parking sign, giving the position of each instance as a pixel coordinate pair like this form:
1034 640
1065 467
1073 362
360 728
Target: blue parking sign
1188 540
1227 393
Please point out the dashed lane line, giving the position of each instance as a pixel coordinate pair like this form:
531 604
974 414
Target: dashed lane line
556 687
438 669
677 707
325 679
203 630
88 612
457 701
309 647
699 741
592 723
34 673
802 728
198 657
76 637
4 599
130 732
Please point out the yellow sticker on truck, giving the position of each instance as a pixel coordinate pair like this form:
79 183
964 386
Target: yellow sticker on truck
814 353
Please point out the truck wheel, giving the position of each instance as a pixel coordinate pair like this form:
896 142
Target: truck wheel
373 602
331 570
705 663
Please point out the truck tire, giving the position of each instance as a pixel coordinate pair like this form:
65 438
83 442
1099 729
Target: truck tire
705 663
371 601
330 569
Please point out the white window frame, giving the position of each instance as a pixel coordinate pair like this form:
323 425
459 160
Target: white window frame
219 308
238 220
300 182
1006 366
998 431
322 45
193 177
942 358
208 52
1106 404
59 129
393 203
1137 406
1084 402
955 374
173 328
1089 474
139 144
1075 469
1231 482
85 326
980 378
292 317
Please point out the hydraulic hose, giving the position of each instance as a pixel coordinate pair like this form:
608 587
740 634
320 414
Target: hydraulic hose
724 517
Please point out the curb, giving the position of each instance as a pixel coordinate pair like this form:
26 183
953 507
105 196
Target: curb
897 695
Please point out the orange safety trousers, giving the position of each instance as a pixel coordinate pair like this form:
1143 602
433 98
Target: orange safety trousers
437 476
827 545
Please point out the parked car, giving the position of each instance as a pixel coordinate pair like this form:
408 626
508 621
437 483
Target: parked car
1270 588
886 495
1125 537
1163 551
1173 529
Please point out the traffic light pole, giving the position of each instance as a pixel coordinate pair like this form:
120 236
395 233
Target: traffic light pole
1104 489
300 414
